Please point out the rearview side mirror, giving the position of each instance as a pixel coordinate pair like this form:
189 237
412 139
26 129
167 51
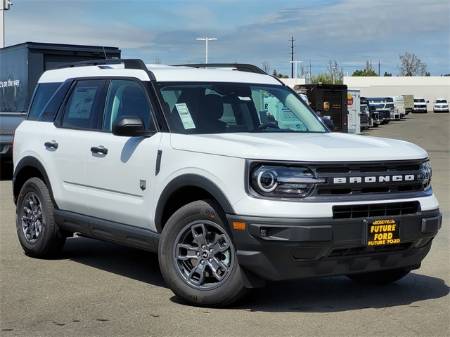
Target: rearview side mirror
130 127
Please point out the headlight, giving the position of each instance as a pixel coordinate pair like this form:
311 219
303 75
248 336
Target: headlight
425 174
282 182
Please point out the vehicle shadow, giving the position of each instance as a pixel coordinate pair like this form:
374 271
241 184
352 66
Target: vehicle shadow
332 294
6 171
336 294
136 264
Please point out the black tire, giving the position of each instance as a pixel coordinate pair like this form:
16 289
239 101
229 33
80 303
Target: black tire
50 240
227 291
382 277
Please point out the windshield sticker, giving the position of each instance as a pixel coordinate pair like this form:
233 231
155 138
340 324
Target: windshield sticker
244 98
185 116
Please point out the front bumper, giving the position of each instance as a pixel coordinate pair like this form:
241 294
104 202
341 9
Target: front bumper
6 147
415 110
287 248
438 109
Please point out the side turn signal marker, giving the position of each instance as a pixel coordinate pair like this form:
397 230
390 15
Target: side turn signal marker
239 226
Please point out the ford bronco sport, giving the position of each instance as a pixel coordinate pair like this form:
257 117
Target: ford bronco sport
222 170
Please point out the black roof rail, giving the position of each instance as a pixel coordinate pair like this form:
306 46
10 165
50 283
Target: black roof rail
238 66
128 63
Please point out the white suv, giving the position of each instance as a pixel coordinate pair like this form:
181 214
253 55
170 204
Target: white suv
441 105
223 171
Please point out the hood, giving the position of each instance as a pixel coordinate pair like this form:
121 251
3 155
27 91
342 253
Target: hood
321 147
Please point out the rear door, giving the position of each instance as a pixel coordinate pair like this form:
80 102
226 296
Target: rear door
121 177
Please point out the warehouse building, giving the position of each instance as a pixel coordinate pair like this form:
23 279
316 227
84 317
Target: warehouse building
428 87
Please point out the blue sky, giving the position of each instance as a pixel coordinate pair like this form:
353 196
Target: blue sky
248 31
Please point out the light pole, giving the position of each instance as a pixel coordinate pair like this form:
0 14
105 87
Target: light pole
4 6
295 63
206 39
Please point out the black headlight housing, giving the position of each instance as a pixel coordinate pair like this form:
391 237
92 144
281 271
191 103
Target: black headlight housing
279 181
425 173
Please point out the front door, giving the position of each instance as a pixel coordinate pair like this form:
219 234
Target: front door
121 169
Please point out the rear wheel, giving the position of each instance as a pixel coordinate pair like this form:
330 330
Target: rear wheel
37 231
197 257
380 277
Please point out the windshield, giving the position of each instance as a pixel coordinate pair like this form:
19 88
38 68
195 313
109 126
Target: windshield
419 101
377 106
441 101
235 107
389 105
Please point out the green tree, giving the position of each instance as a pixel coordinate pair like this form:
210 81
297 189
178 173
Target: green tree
367 71
386 74
324 78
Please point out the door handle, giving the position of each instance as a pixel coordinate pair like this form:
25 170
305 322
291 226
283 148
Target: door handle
99 150
52 145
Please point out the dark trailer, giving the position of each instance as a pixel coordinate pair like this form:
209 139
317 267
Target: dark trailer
328 100
21 66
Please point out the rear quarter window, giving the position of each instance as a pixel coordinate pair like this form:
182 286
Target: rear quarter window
42 95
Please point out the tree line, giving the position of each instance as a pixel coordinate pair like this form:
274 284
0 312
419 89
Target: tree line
410 65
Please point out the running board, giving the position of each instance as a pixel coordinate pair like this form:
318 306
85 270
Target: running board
106 230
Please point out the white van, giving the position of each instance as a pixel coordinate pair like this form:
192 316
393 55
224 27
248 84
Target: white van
399 106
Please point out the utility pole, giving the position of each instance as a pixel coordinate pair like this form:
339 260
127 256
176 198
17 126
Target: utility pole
379 68
4 6
206 39
292 57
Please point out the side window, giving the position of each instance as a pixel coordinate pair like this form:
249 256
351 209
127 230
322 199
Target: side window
126 98
275 111
44 91
84 105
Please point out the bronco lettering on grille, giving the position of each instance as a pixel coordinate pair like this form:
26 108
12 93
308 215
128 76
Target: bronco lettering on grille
373 179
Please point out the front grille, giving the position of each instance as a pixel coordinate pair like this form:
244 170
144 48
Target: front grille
375 210
368 170
341 252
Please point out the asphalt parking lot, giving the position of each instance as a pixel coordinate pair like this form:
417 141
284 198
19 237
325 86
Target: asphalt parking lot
100 289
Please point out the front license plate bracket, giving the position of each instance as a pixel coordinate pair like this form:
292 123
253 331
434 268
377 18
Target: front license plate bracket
383 232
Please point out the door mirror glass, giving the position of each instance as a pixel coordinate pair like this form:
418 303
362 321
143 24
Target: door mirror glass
130 127
127 100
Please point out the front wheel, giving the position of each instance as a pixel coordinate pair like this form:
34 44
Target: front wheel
197 257
380 277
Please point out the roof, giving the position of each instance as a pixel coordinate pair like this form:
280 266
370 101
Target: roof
163 73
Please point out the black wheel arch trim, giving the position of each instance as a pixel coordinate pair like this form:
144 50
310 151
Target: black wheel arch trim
33 162
190 180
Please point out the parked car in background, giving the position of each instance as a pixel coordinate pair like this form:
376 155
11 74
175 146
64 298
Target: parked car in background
441 105
394 114
399 106
408 101
420 105
354 111
379 104
365 119
8 123
374 116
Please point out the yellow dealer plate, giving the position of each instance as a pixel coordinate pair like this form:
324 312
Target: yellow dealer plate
383 232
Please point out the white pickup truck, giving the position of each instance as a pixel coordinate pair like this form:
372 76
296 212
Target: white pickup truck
223 171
